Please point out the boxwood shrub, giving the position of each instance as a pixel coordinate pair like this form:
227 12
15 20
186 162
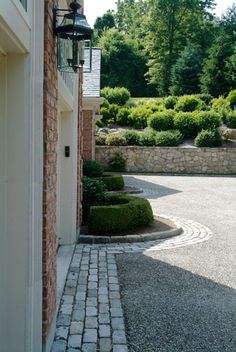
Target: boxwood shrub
113 182
94 193
231 119
138 117
170 102
117 163
148 139
101 139
122 117
162 121
124 213
209 138
169 138
92 168
109 114
115 139
188 103
186 123
207 120
132 137
231 98
117 95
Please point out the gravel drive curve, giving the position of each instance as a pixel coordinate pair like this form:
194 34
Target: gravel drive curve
184 299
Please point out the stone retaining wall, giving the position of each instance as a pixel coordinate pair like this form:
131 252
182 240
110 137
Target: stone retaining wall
173 160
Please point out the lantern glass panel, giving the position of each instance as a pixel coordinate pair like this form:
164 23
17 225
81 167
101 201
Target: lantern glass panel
67 54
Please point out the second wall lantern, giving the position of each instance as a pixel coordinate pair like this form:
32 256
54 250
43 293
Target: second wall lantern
74 37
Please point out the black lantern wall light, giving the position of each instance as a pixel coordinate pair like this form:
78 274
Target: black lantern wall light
74 44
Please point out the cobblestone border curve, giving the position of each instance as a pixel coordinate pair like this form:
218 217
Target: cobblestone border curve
90 317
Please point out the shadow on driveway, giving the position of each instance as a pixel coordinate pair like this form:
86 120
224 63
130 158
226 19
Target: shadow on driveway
169 309
153 190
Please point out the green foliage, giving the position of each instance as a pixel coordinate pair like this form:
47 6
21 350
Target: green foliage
104 23
113 182
220 103
117 163
209 138
207 120
122 117
172 24
188 103
127 213
215 79
186 123
132 137
168 138
206 98
186 71
92 168
231 119
138 117
123 64
162 121
94 193
99 124
115 139
231 98
109 114
117 95
101 139
148 139
170 102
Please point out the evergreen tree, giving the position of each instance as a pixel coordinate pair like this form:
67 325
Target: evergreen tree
122 63
186 72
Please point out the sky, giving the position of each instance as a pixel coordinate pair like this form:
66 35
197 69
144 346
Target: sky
95 8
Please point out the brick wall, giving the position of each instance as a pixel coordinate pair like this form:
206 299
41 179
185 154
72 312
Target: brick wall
80 148
50 171
88 135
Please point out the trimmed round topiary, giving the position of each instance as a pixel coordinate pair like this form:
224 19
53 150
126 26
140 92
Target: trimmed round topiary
231 119
122 117
117 95
170 102
188 103
124 214
117 163
94 193
231 98
101 139
113 182
169 138
132 137
116 140
148 139
162 121
139 116
109 114
208 120
186 123
92 168
209 138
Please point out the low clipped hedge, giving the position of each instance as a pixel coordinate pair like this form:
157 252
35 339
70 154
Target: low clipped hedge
162 121
92 168
113 182
124 213
209 138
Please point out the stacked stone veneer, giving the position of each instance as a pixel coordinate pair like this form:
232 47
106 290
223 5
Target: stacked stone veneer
173 160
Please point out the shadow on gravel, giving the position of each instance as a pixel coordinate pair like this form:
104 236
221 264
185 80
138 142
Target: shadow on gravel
149 187
169 309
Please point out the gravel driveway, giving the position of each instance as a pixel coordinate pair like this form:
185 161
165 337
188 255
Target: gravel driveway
184 299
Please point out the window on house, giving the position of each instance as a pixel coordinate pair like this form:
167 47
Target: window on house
24 3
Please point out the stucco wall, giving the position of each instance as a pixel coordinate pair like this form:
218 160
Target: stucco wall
173 160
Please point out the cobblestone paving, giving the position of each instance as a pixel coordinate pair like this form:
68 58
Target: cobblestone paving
90 318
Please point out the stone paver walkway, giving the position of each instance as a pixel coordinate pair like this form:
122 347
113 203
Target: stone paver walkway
90 317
